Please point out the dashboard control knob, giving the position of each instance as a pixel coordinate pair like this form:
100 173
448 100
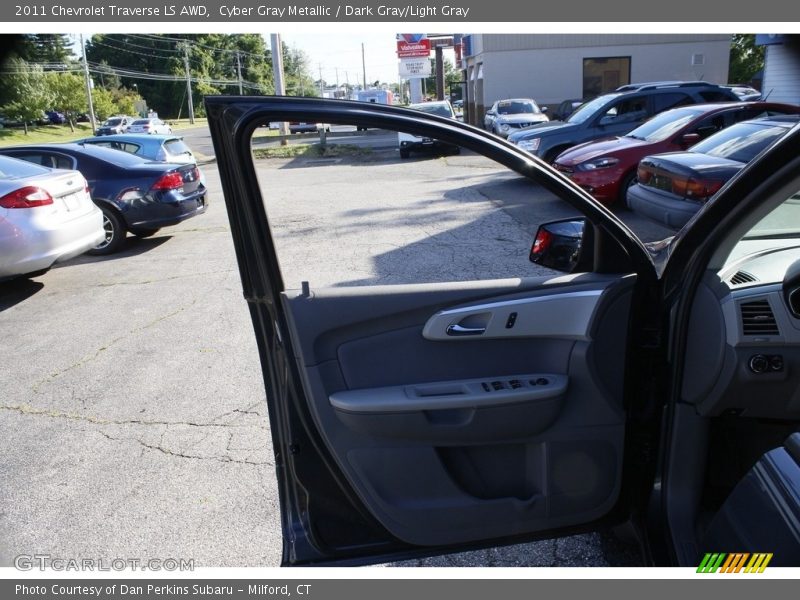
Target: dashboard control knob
759 363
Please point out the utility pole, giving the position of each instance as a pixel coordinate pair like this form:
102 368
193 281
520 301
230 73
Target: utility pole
239 73
88 87
321 85
188 82
277 68
363 66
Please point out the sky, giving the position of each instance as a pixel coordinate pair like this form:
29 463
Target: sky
342 51
332 51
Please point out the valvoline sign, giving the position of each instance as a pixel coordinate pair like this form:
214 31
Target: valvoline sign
413 45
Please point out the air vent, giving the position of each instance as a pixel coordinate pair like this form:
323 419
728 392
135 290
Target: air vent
742 277
757 318
698 60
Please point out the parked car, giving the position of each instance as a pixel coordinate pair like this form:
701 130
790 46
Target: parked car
612 114
300 127
46 217
507 116
654 386
606 168
413 143
136 195
744 91
117 124
164 148
150 126
56 118
672 187
565 109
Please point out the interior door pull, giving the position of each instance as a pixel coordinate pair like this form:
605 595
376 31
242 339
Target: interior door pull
461 330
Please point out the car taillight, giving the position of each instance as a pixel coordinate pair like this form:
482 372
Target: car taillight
27 197
643 175
541 243
695 189
170 181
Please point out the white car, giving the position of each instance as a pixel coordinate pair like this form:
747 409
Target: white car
149 126
507 116
408 142
46 216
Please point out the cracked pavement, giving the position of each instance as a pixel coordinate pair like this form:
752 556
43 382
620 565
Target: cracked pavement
132 419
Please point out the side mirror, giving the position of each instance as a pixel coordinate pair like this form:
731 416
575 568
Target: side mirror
607 120
543 109
689 139
558 244
491 113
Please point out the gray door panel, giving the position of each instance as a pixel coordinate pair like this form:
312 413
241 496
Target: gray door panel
456 463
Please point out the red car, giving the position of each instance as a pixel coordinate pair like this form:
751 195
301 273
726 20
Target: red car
606 168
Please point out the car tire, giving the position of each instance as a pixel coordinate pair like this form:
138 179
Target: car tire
626 183
115 233
551 155
405 153
144 233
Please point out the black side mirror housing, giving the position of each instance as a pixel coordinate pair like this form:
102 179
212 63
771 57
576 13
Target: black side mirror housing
560 245
543 109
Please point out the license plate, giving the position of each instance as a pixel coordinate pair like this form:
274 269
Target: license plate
71 201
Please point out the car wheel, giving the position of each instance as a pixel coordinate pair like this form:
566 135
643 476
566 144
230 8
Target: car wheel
144 233
627 182
551 155
404 153
115 233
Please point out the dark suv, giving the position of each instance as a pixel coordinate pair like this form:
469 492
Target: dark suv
615 114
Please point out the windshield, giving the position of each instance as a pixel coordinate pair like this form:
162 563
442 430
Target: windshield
515 108
112 122
141 122
587 110
176 147
666 124
742 142
12 168
434 108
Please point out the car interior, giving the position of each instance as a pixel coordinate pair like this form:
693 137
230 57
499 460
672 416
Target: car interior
740 398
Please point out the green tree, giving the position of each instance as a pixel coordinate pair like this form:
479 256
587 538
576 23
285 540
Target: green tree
45 48
103 102
746 59
125 100
69 94
451 77
28 94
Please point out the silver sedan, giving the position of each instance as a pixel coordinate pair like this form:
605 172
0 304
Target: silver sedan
46 216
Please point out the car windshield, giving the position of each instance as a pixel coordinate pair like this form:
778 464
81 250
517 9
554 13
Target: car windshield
141 122
112 122
666 124
742 142
176 147
11 168
515 108
587 110
433 108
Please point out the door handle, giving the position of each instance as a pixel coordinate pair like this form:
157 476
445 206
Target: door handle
461 330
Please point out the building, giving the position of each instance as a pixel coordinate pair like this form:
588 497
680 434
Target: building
781 81
553 68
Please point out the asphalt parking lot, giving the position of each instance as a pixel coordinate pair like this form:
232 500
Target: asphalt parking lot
133 412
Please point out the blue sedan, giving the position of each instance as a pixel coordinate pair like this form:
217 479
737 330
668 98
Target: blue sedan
136 195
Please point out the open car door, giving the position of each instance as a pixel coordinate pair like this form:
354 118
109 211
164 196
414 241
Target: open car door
412 419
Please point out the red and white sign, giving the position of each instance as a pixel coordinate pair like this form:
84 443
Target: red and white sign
416 49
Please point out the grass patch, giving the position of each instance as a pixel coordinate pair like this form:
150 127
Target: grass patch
42 134
178 124
311 151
